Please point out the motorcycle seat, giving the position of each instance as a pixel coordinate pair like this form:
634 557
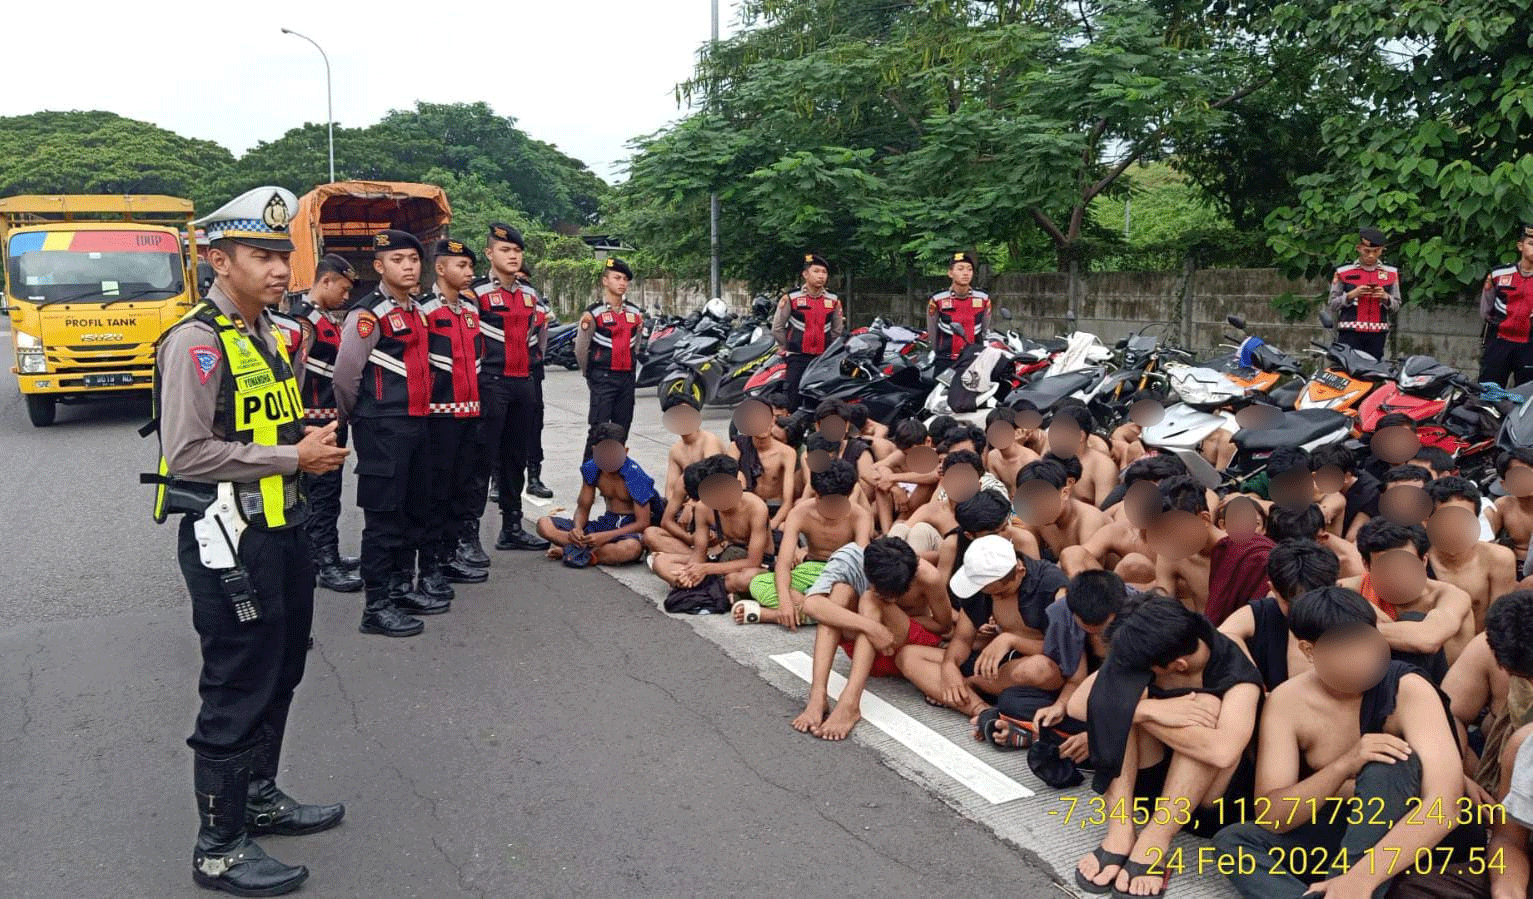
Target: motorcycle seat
1298 428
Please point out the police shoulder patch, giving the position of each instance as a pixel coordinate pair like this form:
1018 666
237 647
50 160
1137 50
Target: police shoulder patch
205 358
366 322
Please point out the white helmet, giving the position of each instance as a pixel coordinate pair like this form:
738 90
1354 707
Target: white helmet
716 308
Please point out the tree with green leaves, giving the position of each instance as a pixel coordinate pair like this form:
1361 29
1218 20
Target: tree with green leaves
1435 147
886 134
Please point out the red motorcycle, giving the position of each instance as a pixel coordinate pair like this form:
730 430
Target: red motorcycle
1446 405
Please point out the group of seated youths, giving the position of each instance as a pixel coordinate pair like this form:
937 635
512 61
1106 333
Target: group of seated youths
1331 677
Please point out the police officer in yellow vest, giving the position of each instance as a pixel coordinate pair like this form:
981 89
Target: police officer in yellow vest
232 443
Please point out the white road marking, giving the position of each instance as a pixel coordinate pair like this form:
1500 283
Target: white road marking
940 752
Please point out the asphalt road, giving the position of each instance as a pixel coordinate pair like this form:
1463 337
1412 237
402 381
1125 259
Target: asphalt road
555 735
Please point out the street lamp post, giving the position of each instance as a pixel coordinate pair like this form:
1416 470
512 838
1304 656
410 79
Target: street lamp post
715 281
329 107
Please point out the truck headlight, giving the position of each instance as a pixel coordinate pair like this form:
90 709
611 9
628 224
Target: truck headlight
25 341
31 361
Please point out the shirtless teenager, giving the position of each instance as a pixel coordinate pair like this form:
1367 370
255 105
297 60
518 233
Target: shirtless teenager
832 419
903 608
1337 473
1122 545
906 479
766 463
1291 482
981 515
993 583
729 533
1356 731
826 522
1404 499
1260 628
1426 616
682 415
1044 502
1492 683
1169 717
1513 514
1183 537
1458 556
962 474
1070 432
1146 408
615 537
861 427
1307 522
1006 454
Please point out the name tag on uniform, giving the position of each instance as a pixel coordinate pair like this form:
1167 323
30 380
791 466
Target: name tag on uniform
979 303
396 321
468 321
497 300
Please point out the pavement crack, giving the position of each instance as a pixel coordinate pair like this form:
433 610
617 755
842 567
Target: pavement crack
340 686
464 882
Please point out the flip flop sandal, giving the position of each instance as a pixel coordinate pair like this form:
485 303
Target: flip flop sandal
752 613
1020 734
1142 869
984 724
1105 860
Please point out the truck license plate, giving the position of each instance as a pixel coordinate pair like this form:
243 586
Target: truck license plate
112 380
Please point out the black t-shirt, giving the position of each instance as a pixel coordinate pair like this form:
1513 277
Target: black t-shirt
1039 584
1362 499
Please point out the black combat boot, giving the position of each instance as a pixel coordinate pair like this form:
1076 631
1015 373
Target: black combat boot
535 485
408 600
350 563
225 858
330 574
432 582
512 536
453 567
269 810
381 616
470 552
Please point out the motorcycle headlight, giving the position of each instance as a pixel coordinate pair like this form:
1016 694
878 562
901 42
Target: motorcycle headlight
1408 382
1195 393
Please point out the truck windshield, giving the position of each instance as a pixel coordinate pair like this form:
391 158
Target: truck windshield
93 266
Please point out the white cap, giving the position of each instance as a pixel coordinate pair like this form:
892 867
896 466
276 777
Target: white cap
987 560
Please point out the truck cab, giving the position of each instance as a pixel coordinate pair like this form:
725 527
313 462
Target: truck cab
90 284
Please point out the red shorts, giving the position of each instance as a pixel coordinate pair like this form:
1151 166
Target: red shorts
883 666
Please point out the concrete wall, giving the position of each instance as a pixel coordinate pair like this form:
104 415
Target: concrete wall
1192 304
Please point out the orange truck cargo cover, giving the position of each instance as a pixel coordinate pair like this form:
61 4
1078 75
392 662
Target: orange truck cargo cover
342 218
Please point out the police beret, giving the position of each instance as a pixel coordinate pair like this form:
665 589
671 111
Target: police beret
394 239
1373 237
334 262
960 256
256 217
615 264
503 231
816 259
449 247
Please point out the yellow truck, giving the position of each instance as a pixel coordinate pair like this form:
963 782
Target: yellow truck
90 284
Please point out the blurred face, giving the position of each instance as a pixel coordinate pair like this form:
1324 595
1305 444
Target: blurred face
1455 527
1146 413
252 274
815 277
682 420
1350 661
1066 439
833 428
1518 480
1141 504
399 269
331 291
818 460
1178 535
457 272
920 459
1330 479
1396 445
1399 575
1405 503
961 483
1259 417
753 418
1293 488
615 283
1007 585
721 493
1028 420
835 507
962 274
1242 520
1039 503
505 259
1001 436
610 455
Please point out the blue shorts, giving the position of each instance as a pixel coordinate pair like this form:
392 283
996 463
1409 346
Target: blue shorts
608 522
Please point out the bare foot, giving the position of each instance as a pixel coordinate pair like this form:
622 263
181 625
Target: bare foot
1147 884
738 610
811 717
840 722
555 552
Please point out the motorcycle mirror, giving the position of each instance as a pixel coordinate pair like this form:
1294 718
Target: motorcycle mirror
1237 322
1006 313
1327 320
1122 343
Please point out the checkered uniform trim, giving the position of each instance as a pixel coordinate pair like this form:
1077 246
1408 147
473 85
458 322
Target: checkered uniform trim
320 414
453 408
241 228
1363 326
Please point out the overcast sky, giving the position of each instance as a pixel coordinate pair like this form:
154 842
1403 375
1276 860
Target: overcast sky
586 75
